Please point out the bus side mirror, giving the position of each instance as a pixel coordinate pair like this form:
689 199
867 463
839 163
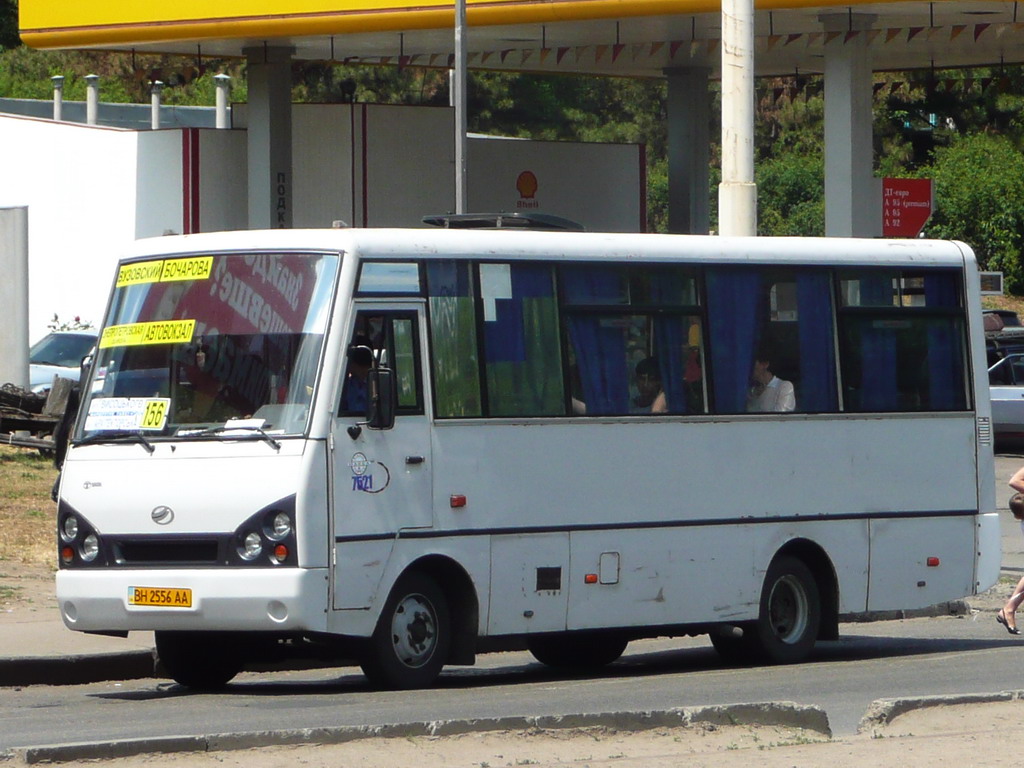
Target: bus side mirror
382 398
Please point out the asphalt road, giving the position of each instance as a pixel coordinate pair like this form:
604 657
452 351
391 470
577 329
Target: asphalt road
882 659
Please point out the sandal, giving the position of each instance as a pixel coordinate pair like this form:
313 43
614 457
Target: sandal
1002 620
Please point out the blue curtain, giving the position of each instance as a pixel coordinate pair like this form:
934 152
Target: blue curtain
879 389
504 337
670 341
817 346
945 374
733 305
600 347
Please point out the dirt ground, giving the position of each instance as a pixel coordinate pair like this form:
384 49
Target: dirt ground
962 735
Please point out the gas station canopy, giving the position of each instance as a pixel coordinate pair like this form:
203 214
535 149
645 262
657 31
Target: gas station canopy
640 38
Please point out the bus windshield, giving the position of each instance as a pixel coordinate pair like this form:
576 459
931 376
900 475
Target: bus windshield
210 346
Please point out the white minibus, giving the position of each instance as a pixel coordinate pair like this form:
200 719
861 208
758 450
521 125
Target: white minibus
406 447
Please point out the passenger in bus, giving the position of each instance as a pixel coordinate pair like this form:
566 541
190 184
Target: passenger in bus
353 395
1006 615
769 393
650 394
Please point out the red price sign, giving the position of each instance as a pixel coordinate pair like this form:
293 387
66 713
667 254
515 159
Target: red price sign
906 206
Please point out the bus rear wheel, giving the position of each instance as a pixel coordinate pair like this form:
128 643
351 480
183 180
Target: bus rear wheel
205 661
590 651
790 613
410 645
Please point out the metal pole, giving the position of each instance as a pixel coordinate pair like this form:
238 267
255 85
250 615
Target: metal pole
737 194
223 83
154 101
92 99
58 96
459 89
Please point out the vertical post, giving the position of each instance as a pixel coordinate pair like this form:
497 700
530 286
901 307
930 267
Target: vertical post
689 153
58 96
155 90
461 122
92 99
223 83
737 194
269 73
14 295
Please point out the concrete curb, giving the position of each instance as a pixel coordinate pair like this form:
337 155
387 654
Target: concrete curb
783 713
884 711
951 608
76 669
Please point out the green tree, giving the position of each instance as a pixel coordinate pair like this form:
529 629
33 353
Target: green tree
9 24
979 194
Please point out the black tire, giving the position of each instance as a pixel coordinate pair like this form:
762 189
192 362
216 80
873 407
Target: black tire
205 661
790 613
410 645
577 651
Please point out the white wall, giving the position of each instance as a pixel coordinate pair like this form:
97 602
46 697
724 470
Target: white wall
159 180
223 181
596 185
79 185
322 164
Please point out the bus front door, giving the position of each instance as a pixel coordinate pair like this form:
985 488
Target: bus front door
382 478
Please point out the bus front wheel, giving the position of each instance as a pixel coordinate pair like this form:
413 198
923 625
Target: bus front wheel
410 645
205 661
789 615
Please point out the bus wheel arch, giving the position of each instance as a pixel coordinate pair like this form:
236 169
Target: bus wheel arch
463 603
820 565
790 611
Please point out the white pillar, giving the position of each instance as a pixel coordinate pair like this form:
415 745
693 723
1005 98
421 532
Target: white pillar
223 83
14 296
58 96
460 96
689 154
737 194
269 76
852 207
92 99
155 90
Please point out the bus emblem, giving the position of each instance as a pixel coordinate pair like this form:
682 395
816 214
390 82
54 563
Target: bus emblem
162 515
359 464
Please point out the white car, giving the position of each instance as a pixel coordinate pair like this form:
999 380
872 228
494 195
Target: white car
59 353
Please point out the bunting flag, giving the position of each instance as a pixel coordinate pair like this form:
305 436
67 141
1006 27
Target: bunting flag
956 31
561 54
892 33
636 50
830 36
544 53
773 41
403 62
673 47
486 56
599 52
793 38
385 60
415 57
581 51
850 35
712 45
472 57
434 57
876 87
814 37
934 32
655 48
872 34
504 54
914 32
979 29
616 50
451 60
526 54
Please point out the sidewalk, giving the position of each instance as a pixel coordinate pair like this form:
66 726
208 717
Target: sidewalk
37 649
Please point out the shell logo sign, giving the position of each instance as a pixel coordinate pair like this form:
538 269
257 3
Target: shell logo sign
527 186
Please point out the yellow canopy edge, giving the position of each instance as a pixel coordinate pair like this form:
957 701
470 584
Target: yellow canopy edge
73 24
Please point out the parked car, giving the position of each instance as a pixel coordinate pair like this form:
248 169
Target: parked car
1007 317
59 353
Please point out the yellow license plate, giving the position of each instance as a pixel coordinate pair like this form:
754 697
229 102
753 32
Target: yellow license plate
160 597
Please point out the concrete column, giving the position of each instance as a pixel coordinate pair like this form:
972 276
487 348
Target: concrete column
156 89
58 96
270 137
737 194
92 99
223 83
852 207
14 295
689 155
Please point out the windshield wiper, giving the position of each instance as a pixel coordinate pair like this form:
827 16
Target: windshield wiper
257 432
118 436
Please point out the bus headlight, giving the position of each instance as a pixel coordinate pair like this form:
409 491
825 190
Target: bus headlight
251 546
90 548
281 526
69 531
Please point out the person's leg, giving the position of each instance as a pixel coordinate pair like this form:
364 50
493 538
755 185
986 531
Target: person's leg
1012 604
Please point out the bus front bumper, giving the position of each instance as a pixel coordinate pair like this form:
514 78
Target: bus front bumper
244 600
